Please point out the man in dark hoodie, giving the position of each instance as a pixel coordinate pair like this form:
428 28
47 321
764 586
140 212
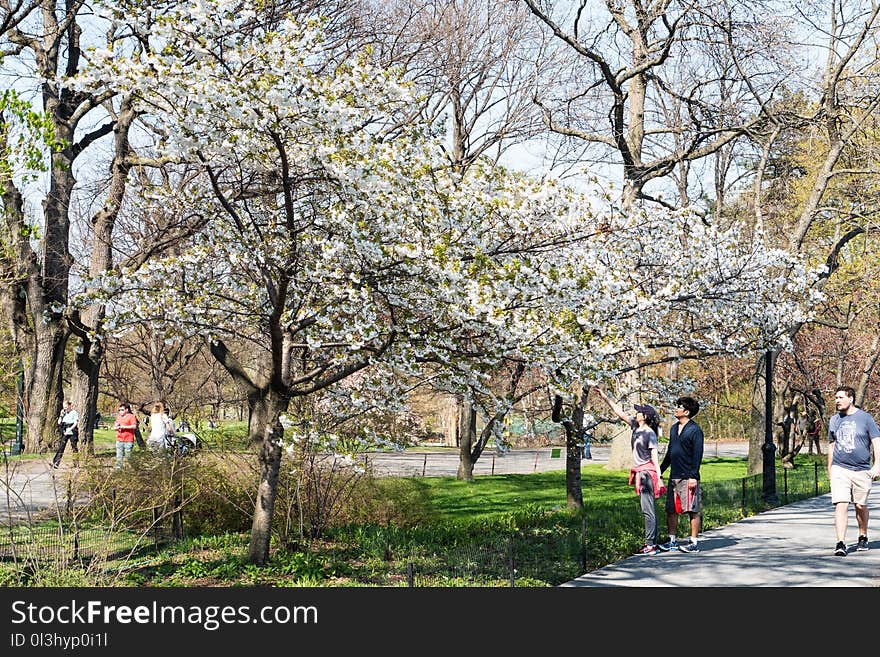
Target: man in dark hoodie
683 456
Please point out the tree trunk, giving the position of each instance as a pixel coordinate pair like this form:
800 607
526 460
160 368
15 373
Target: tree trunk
43 392
449 419
757 414
265 406
264 424
47 294
90 354
869 362
85 390
574 437
620 457
35 304
467 431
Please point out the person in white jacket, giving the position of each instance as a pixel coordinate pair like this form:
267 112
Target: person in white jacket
68 425
161 428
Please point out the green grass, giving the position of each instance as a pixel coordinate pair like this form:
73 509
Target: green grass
488 496
468 535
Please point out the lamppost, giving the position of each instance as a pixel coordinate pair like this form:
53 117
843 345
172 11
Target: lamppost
18 445
769 449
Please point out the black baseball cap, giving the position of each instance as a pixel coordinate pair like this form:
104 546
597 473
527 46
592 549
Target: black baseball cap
647 410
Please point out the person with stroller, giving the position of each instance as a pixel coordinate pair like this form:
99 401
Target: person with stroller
161 429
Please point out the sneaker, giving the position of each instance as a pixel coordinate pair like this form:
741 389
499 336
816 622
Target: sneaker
689 547
667 546
862 545
647 549
840 550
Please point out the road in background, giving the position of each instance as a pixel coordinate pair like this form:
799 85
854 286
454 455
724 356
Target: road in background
415 463
28 486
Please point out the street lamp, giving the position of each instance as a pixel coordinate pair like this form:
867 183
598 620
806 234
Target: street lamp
769 449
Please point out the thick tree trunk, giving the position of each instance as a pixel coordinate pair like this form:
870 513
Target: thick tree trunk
90 353
35 300
574 437
261 528
48 293
620 456
85 390
574 495
265 406
264 423
757 431
449 412
43 392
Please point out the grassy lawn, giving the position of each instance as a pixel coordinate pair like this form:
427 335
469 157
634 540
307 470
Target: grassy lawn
465 534
497 495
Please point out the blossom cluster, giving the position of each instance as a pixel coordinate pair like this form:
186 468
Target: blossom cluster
338 235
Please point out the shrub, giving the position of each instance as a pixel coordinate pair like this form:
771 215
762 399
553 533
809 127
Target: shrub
384 502
152 492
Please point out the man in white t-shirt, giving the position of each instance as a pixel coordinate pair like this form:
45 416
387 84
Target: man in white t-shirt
852 433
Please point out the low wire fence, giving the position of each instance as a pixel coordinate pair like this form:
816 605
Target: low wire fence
62 542
59 543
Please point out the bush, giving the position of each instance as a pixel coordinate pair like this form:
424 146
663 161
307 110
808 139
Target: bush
219 496
205 494
384 502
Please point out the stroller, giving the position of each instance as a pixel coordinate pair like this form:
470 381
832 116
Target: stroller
183 441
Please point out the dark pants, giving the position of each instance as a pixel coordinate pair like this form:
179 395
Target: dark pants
74 440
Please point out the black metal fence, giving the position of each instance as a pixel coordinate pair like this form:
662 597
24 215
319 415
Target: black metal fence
63 542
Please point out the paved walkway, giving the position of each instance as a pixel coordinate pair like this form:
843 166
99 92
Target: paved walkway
31 487
789 546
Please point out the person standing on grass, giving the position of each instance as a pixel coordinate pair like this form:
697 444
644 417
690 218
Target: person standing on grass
125 426
645 473
683 457
851 434
161 428
68 425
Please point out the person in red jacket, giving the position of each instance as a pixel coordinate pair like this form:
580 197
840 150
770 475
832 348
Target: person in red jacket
125 425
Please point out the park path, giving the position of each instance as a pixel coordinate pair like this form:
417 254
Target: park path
789 546
413 463
31 486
